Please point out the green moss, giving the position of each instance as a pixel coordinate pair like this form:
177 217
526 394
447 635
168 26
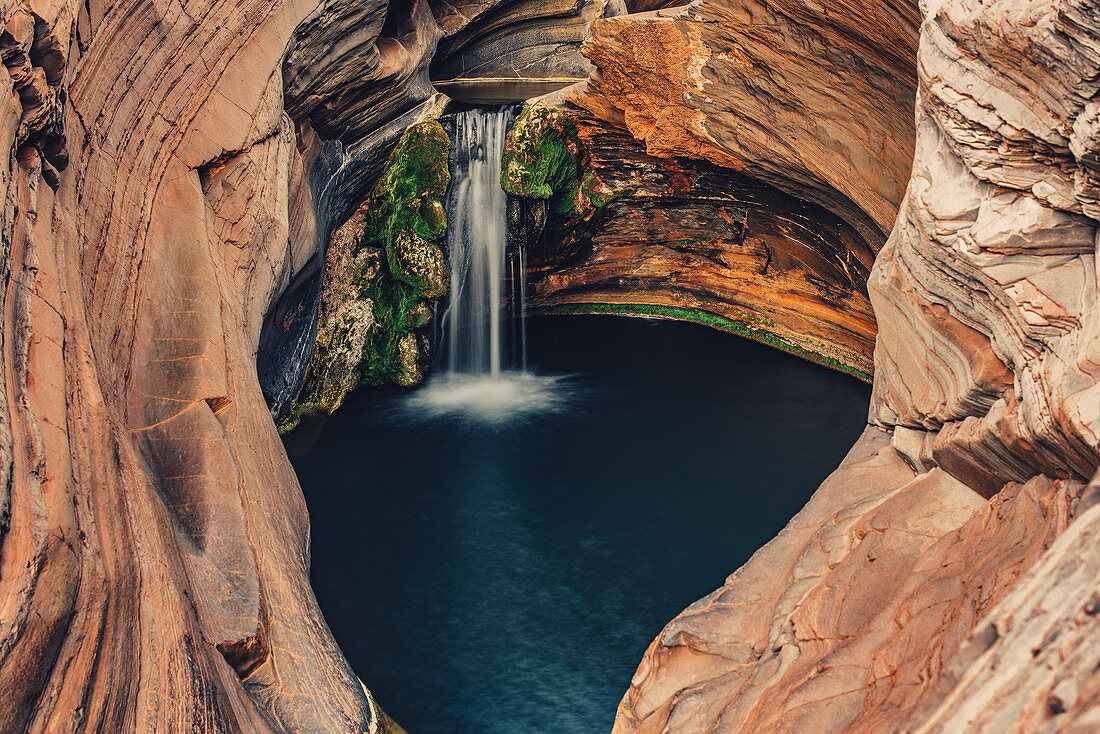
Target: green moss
545 159
592 187
541 162
747 328
405 223
690 241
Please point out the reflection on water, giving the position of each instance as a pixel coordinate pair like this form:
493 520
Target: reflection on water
507 578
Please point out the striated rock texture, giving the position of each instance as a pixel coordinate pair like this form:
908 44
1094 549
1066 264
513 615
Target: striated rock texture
783 135
172 177
609 228
518 39
814 99
154 544
944 579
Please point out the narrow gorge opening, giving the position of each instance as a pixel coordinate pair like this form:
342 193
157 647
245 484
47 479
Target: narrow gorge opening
519 537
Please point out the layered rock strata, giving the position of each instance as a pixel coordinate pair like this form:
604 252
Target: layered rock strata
529 39
944 579
815 100
609 228
154 548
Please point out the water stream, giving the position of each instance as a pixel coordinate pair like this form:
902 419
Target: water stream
477 243
483 375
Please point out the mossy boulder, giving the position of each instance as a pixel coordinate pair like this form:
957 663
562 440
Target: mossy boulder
418 263
546 164
405 223
543 159
384 271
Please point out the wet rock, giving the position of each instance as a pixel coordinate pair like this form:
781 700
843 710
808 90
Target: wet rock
611 229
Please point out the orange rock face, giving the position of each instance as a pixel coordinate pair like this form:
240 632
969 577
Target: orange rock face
943 579
698 240
154 557
816 101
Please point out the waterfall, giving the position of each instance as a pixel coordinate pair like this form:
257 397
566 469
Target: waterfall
482 279
483 377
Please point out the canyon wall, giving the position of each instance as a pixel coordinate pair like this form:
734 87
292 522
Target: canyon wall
945 577
744 162
173 177
155 544
685 239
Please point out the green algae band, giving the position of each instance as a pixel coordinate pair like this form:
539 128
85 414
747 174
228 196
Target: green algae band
751 327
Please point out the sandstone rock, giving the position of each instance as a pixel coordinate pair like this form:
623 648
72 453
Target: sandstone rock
154 540
982 619
519 39
622 231
814 99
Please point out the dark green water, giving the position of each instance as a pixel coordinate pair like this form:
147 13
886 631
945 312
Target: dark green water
507 580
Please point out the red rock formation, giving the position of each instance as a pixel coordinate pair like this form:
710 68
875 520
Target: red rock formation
692 240
943 580
813 99
154 538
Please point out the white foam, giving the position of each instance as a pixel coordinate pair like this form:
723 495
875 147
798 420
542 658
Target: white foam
488 399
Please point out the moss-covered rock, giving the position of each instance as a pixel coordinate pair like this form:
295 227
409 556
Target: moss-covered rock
383 273
543 159
406 223
546 163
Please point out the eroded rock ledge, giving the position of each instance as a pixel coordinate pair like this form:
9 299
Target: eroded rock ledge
944 579
611 229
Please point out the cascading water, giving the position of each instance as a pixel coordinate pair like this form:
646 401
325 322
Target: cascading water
477 244
478 381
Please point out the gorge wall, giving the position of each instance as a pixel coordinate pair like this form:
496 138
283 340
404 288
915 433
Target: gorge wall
685 239
173 180
943 579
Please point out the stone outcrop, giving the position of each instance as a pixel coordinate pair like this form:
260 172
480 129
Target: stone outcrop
783 135
943 579
155 554
611 229
515 40
814 99
384 274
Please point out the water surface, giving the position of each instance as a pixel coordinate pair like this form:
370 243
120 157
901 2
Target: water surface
506 578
